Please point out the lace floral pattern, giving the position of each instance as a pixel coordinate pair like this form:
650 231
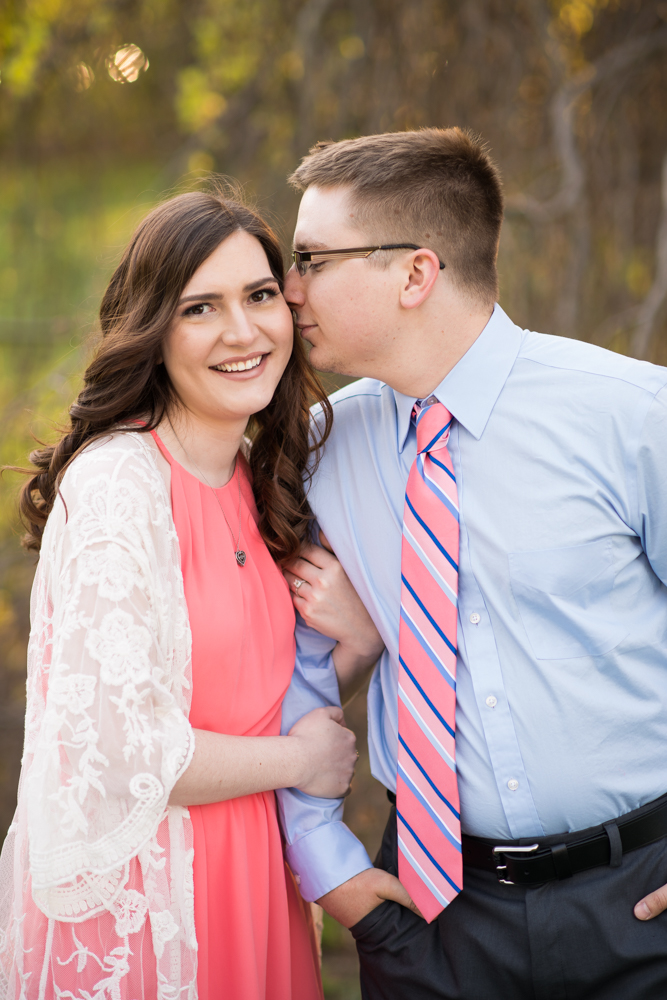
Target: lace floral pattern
107 736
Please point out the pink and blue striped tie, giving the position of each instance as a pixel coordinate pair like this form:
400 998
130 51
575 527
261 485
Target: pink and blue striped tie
427 798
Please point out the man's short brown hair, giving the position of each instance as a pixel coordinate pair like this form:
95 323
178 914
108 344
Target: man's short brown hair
436 187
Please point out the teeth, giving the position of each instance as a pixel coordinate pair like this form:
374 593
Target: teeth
239 366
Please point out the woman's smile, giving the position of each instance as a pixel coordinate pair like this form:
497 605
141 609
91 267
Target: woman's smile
241 368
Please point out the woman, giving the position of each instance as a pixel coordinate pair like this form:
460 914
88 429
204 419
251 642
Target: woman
145 858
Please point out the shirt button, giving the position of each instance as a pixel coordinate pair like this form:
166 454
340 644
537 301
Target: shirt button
491 701
512 784
430 401
297 879
475 618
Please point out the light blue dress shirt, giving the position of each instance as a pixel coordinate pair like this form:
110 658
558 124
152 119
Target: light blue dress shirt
560 454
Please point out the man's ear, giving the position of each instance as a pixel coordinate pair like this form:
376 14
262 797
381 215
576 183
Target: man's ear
420 277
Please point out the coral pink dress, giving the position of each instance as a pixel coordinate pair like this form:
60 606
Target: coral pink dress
254 931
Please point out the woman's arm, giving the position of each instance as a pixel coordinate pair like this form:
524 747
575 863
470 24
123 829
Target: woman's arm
317 756
328 602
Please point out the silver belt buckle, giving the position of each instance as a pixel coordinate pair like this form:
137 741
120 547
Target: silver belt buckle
511 850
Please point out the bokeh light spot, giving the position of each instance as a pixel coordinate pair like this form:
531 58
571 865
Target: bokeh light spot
352 47
578 15
83 77
291 66
125 65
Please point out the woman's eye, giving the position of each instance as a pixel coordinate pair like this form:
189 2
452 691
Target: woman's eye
263 295
200 309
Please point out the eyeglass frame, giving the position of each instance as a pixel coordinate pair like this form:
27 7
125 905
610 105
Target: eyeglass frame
301 257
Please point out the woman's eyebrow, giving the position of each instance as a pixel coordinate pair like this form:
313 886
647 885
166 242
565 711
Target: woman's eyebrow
203 295
258 284
217 295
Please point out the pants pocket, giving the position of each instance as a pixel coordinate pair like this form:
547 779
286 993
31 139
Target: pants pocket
370 927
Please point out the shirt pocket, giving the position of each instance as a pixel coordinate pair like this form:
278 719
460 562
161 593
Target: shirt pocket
564 599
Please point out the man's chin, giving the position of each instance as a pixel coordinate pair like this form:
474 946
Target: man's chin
325 363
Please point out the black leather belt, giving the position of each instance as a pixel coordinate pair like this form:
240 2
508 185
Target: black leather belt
545 859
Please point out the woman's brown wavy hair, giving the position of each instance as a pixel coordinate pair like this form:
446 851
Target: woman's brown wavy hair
126 381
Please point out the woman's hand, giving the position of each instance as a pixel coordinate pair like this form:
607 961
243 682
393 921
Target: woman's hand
318 756
327 601
328 752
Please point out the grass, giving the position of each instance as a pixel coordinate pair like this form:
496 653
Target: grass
340 967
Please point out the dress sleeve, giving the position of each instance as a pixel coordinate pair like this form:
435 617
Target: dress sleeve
111 635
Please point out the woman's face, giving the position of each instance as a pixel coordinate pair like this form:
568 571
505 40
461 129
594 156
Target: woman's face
231 337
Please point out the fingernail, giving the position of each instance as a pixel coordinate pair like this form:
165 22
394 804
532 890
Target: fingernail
642 911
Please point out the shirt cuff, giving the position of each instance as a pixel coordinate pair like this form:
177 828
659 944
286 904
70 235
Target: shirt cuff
325 858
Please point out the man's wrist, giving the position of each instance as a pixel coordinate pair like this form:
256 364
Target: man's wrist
325 858
351 662
367 652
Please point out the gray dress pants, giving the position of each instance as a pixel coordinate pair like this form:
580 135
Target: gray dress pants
571 940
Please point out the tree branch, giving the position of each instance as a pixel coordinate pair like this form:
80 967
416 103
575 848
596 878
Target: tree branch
562 111
641 340
308 22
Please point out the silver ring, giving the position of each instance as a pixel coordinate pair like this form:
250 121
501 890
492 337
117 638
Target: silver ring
297 584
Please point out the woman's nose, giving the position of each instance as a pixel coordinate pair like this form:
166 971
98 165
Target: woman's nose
238 329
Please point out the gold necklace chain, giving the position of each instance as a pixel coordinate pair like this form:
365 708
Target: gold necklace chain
239 553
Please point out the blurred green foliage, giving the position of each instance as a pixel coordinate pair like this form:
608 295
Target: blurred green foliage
62 232
339 966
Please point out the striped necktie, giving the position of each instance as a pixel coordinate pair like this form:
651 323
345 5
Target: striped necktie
427 798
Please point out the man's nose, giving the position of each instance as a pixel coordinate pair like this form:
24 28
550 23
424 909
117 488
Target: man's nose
294 294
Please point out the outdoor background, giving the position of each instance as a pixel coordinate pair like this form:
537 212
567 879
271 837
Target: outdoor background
107 106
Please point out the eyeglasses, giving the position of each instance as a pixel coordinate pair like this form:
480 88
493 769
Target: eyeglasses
303 258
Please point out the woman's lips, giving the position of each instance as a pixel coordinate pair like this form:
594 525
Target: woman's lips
247 373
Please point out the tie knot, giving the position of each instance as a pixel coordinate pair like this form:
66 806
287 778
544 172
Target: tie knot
433 423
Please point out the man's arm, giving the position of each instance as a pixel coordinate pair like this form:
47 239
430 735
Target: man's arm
321 850
331 865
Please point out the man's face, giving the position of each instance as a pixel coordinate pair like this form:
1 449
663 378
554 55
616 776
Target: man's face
347 309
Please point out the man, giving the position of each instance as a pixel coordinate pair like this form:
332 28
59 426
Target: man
498 499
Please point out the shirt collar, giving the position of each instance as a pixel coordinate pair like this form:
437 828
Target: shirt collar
471 388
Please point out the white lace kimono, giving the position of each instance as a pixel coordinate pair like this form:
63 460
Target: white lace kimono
96 871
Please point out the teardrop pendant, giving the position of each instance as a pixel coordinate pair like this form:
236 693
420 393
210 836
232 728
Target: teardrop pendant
240 557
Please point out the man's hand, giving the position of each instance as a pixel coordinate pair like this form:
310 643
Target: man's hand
652 905
352 900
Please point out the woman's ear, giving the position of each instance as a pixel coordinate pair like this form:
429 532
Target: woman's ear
421 275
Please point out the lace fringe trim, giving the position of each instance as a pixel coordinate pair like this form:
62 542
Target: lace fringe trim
48 868
87 896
